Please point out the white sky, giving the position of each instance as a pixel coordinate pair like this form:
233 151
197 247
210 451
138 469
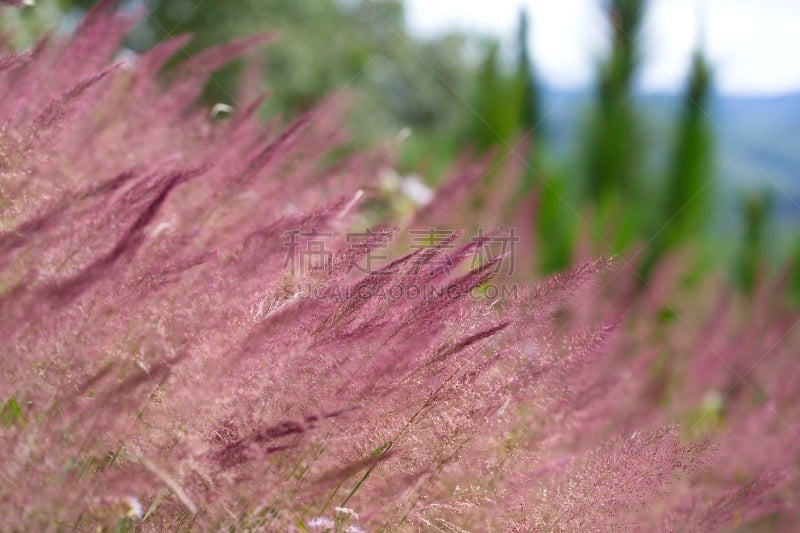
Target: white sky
750 42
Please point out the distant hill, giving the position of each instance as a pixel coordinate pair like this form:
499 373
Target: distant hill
758 143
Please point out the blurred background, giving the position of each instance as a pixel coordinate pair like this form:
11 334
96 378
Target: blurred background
648 125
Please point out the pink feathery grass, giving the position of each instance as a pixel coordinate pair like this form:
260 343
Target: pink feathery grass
161 367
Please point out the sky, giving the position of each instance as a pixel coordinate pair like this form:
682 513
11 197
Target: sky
748 41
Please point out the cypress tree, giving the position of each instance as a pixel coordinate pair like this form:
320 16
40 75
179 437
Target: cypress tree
689 189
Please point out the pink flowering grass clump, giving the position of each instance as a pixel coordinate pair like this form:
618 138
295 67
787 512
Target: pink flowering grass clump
163 369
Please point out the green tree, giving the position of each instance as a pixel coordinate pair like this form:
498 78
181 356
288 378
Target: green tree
615 146
689 190
23 25
757 211
688 194
531 119
496 104
506 103
321 46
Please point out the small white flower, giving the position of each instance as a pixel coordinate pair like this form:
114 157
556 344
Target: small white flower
402 136
414 189
321 522
134 507
345 512
126 58
220 108
713 401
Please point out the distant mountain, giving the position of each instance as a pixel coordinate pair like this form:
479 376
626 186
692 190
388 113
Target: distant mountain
758 143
